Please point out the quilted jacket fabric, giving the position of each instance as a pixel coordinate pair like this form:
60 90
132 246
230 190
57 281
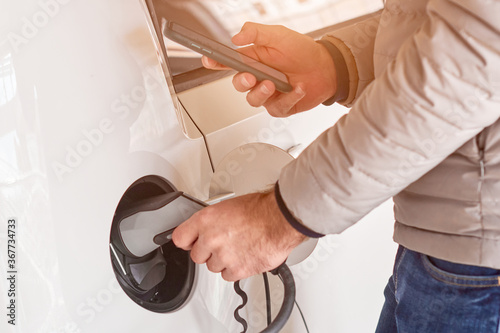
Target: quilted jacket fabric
424 87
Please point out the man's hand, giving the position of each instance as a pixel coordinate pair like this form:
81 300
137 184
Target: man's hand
239 237
308 65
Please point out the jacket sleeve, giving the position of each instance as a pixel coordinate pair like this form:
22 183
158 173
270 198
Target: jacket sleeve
356 43
440 91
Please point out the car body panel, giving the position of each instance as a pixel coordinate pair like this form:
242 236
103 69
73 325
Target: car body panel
87 107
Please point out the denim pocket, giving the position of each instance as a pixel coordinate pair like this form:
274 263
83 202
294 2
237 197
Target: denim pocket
469 276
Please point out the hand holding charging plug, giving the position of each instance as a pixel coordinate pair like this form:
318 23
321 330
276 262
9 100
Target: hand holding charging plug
239 237
307 64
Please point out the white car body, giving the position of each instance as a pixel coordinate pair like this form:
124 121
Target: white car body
87 107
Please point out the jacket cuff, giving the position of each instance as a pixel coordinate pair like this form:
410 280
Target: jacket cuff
342 73
291 219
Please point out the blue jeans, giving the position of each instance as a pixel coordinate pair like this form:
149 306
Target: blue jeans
428 295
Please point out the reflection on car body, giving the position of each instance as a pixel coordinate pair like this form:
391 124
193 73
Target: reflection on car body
91 100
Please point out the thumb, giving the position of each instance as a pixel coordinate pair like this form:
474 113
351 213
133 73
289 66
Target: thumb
255 33
186 234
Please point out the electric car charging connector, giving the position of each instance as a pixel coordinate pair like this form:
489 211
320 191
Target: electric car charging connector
141 236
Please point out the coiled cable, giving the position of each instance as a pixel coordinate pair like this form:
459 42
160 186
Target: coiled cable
277 324
244 298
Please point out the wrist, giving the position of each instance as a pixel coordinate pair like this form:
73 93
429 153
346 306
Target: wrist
338 72
291 219
280 231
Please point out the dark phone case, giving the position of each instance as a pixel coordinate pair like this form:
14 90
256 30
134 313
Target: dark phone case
198 46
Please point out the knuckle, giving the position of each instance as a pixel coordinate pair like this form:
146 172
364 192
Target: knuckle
224 257
239 83
254 100
228 275
274 110
251 102
236 272
214 266
212 242
178 239
205 216
279 108
211 266
196 255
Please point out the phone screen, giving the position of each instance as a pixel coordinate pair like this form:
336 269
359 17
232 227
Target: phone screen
225 55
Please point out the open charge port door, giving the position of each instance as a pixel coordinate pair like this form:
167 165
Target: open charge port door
151 270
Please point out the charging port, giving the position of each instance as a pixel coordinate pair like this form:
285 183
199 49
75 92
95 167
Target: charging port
161 280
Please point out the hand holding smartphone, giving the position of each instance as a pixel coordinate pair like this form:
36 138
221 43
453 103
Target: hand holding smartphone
225 55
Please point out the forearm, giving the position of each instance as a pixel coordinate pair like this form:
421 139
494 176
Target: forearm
376 150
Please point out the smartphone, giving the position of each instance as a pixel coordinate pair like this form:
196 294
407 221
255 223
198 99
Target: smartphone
225 55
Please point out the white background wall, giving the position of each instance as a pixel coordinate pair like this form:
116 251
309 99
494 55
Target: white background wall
340 286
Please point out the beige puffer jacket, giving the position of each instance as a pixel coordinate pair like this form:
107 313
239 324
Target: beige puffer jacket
424 79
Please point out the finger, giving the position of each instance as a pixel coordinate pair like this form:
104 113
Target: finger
185 235
255 33
261 93
244 81
215 265
200 254
212 64
285 104
231 275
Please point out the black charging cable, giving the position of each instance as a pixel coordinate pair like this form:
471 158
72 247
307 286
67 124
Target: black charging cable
302 316
268 298
244 299
277 324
